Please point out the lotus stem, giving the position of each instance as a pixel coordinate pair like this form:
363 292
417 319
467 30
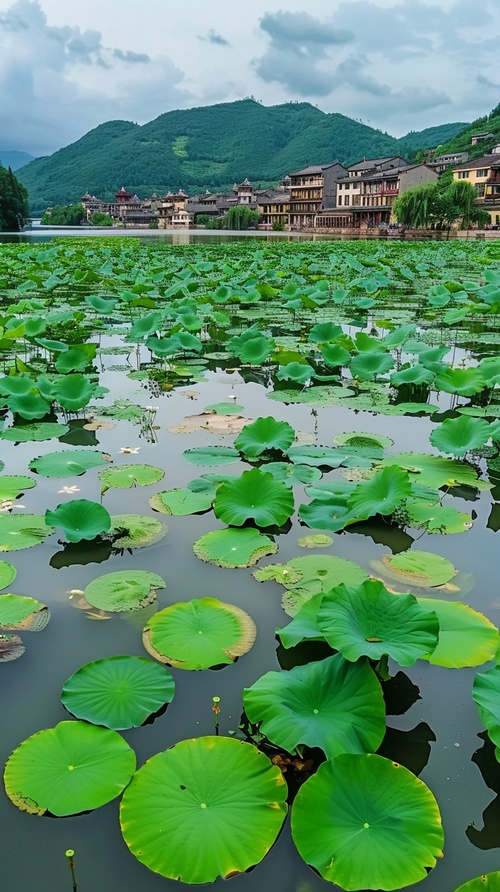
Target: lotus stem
216 711
70 855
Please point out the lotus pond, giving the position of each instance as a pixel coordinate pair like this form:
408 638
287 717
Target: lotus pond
249 599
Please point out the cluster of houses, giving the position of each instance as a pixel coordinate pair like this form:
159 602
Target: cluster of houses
319 196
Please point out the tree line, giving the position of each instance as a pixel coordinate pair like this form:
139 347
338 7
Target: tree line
14 212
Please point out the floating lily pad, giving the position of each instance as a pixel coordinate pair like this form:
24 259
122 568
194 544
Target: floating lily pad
438 518
22 531
488 882
44 430
256 496
433 470
360 438
365 822
118 692
199 634
208 807
466 637
234 547
225 408
181 502
11 648
124 590
418 568
127 476
332 704
212 456
68 769
136 530
12 486
80 519
315 540
18 612
292 474
7 574
310 575
67 463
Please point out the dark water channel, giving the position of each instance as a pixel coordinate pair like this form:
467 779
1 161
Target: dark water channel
440 731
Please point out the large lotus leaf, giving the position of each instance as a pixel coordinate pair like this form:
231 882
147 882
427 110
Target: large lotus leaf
22 531
101 304
332 704
382 494
460 435
415 374
488 882
416 568
433 470
370 621
486 694
73 392
7 574
489 369
211 455
365 822
264 434
68 463
136 530
11 648
366 366
127 476
124 590
257 496
312 574
292 474
465 382
76 358
181 502
335 355
43 430
118 692
254 350
317 456
438 518
16 385
18 612
328 514
398 336
234 547
12 487
300 372
466 637
304 625
208 807
324 331
199 634
68 769
29 406
80 519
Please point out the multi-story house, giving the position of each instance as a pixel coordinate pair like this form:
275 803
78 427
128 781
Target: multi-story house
312 189
274 207
484 174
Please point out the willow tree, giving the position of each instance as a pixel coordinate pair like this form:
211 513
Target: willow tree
439 205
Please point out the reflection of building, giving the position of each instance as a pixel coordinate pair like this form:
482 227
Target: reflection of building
484 174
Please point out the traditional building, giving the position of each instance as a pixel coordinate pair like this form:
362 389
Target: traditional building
312 189
274 208
128 209
484 174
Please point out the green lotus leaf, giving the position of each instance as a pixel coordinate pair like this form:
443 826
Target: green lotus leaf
11 648
466 637
208 807
486 694
328 514
211 455
127 476
68 463
488 882
22 531
118 692
68 769
80 519
399 336
311 575
136 530
438 518
415 374
332 704
29 406
380 495
489 370
301 372
51 344
72 392
145 326
254 350
416 568
315 540
101 304
199 634
18 612
335 355
256 496
324 331
304 625
366 366
124 590
44 430
181 502
460 435
264 434
433 470
465 382
363 440
316 456
7 574
370 621
225 408
12 487
76 358
292 474
16 385
365 822
234 547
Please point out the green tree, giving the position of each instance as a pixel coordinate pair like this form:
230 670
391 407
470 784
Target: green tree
13 202
439 205
100 219
64 215
241 217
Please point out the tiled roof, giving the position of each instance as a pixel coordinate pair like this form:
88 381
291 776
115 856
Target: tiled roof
485 161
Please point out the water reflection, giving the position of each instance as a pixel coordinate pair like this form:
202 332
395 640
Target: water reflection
409 748
485 759
399 694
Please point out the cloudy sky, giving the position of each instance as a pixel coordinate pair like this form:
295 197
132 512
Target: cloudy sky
400 65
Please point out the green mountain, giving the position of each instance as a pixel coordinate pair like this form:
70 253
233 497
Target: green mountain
15 160
432 136
208 147
462 143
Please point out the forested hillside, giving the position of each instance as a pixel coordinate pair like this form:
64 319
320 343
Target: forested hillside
462 143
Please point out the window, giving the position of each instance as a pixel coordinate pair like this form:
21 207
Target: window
463 174
480 190
483 172
346 200
340 199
